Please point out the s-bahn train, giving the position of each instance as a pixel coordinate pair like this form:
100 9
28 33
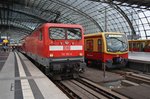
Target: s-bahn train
58 48
139 45
106 49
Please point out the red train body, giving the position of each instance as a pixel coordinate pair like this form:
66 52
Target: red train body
139 45
57 47
106 49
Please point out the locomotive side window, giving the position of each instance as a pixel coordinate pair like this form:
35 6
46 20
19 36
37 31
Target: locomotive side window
40 36
99 45
89 44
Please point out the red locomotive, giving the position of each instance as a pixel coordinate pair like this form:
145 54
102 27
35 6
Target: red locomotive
106 49
59 48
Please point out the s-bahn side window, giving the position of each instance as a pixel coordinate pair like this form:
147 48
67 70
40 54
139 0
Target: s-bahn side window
65 33
134 45
99 45
89 45
130 44
40 36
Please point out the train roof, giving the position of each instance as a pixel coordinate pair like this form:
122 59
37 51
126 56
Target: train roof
139 40
101 33
61 25
58 25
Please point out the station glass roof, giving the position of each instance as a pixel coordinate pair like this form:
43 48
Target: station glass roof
19 18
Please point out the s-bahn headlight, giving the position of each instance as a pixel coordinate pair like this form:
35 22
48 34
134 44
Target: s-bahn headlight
51 55
80 54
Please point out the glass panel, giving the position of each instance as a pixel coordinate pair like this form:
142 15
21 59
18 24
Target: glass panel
148 32
144 20
73 33
65 33
89 44
99 45
116 43
57 33
40 35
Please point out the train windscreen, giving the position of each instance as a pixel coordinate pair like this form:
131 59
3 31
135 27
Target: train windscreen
116 42
65 33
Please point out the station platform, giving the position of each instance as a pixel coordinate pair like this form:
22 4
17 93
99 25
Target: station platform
20 79
139 61
142 57
3 58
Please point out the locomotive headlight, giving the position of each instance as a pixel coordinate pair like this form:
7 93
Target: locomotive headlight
80 54
51 55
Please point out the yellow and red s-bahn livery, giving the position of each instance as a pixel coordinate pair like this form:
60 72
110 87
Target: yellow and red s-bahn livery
106 48
139 45
59 48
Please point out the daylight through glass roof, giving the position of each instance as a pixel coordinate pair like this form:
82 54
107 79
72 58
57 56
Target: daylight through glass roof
93 16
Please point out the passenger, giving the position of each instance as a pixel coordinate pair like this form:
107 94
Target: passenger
10 48
13 48
4 48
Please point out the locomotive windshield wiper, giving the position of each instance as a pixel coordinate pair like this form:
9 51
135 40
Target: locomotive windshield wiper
119 40
72 30
119 48
125 46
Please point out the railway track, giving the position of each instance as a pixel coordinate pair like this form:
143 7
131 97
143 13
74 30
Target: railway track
138 78
134 76
85 89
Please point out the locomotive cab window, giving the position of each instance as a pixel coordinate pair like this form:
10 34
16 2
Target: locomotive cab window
64 33
57 33
116 42
73 33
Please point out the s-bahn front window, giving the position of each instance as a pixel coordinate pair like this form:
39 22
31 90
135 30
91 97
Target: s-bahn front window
65 33
116 42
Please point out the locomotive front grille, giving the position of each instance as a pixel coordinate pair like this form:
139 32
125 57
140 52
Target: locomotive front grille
67 59
117 60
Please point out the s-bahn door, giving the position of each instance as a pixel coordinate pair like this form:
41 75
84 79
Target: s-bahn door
99 45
